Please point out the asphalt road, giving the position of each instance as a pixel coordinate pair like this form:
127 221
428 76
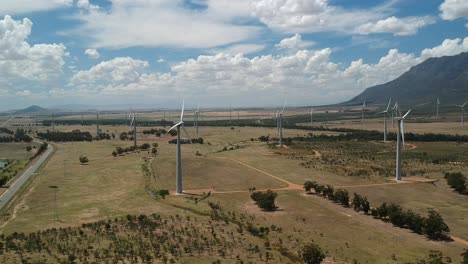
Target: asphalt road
14 187
6 122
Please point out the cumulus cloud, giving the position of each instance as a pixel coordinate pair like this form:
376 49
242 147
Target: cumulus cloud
453 9
295 42
299 16
397 26
130 23
86 5
303 74
92 53
239 49
26 6
24 93
20 60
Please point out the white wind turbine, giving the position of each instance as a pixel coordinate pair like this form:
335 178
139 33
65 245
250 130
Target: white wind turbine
196 118
462 113
400 143
394 113
280 125
311 117
438 103
133 127
385 113
363 109
179 154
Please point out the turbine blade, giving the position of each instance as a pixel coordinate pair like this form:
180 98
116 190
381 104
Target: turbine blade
407 113
176 125
182 112
388 106
284 106
402 132
465 104
186 133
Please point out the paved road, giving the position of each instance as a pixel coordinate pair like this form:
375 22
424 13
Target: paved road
14 187
6 122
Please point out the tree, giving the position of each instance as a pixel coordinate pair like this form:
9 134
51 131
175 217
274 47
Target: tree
312 254
163 193
154 151
84 159
28 148
308 185
465 257
265 200
173 133
435 226
114 153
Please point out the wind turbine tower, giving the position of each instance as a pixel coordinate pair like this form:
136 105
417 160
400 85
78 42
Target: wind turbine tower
438 103
462 113
133 126
362 112
53 122
280 125
400 143
311 117
97 126
179 154
385 113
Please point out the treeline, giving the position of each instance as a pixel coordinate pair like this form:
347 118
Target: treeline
75 135
187 141
433 226
457 181
364 135
120 150
19 136
108 122
6 131
155 131
39 151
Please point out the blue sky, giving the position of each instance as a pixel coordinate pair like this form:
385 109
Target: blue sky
153 53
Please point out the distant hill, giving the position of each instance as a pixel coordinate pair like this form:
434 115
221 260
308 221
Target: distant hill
30 110
445 77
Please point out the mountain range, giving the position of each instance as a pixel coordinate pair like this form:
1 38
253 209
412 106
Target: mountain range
444 77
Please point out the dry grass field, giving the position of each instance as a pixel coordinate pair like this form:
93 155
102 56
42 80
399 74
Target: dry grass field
229 162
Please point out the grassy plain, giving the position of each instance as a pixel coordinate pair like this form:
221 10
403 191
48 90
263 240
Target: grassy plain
110 187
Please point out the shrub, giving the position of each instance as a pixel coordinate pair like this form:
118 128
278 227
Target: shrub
312 254
265 200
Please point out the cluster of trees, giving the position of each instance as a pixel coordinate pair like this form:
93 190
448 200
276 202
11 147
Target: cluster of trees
134 239
194 141
365 135
433 225
19 136
75 135
265 200
457 181
40 150
107 136
145 146
155 131
126 136
107 122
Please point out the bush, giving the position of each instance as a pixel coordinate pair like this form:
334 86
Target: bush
84 159
457 181
312 254
265 200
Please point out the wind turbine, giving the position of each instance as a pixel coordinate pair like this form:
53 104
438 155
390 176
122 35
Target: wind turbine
311 116
462 112
179 154
400 143
280 125
97 126
363 109
394 113
385 113
438 103
133 126
195 119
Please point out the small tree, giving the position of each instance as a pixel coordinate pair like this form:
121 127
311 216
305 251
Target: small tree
84 159
265 200
114 153
28 148
312 254
163 193
435 226
465 257
308 185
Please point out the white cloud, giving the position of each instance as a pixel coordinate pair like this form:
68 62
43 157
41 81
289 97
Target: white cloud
453 9
239 49
24 93
26 6
130 23
299 16
161 60
295 43
448 48
92 53
20 60
119 70
86 5
397 26
305 75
